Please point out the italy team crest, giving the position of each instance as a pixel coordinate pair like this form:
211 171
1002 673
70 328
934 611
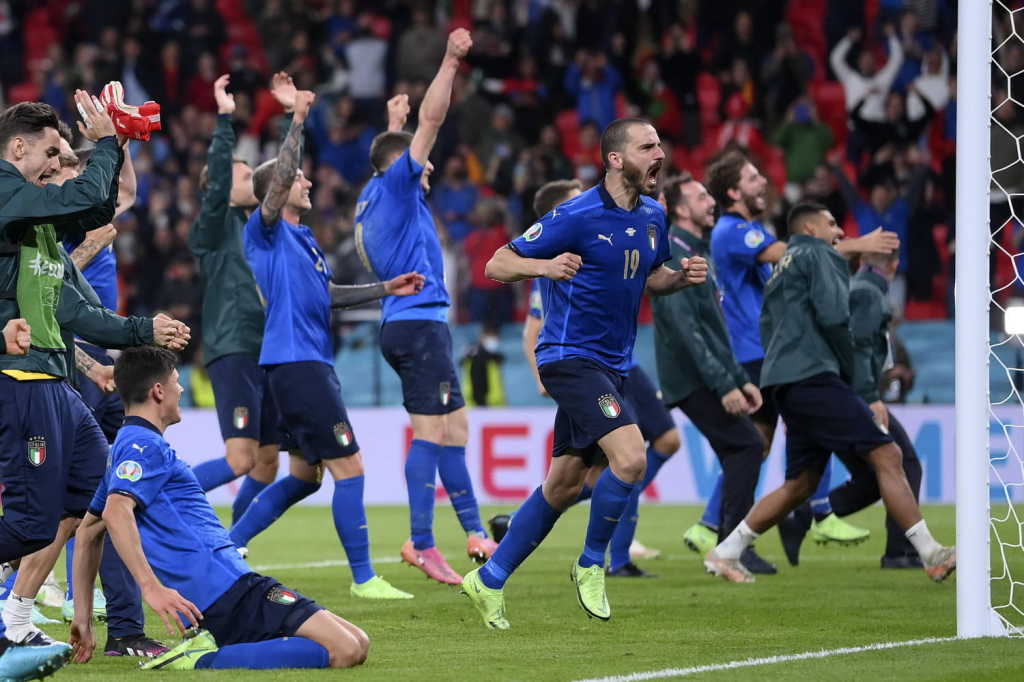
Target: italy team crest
609 406
445 392
36 451
343 434
279 595
241 417
652 237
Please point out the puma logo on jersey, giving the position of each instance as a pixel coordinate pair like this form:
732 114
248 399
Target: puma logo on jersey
140 448
607 238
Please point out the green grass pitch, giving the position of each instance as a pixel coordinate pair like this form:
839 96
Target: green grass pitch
836 598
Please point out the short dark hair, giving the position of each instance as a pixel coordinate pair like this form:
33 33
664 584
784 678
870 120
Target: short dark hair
614 137
673 189
261 178
64 130
552 194
386 145
26 118
138 369
801 212
204 175
724 174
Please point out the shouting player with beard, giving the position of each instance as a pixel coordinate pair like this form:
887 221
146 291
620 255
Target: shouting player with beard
598 254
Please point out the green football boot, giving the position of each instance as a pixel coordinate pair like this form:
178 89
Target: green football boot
185 655
488 601
590 590
378 588
834 529
700 538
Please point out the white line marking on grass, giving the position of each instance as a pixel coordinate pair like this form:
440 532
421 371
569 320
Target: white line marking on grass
331 563
768 660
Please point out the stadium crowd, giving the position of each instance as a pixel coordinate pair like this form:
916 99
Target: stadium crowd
859 115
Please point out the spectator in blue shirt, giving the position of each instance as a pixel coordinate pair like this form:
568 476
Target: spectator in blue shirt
594 83
454 198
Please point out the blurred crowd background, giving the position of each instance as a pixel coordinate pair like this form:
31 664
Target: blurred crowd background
849 102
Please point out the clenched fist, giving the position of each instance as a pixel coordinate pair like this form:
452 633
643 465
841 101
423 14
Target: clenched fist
459 43
694 270
17 336
563 267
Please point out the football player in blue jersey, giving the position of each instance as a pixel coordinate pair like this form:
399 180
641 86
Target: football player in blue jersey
395 233
298 354
744 251
597 253
655 423
187 567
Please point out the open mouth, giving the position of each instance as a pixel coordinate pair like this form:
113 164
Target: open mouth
652 174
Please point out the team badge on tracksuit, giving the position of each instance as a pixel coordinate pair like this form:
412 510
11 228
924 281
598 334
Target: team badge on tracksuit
609 406
36 451
445 392
343 434
241 417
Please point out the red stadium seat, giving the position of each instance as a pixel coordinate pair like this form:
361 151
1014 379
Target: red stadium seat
830 101
709 95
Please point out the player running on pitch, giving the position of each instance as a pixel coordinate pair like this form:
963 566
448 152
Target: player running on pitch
600 251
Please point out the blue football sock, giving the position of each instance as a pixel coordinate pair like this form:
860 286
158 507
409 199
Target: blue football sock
532 523
69 559
284 652
458 484
820 504
5 589
214 473
611 495
625 531
586 492
655 460
249 489
350 522
421 481
712 517
266 507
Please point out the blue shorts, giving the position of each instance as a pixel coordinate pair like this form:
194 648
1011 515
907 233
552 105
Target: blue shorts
241 395
591 403
654 419
38 422
257 608
107 408
86 462
823 415
420 351
313 416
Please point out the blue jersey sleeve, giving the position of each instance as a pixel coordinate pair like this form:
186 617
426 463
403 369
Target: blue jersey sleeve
99 498
536 302
552 235
745 242
403 176
259 234
140 470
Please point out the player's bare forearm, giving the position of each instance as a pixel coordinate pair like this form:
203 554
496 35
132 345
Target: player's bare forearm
119 516
84 362
664 281
288 158
88 551
508 266
436 100
94 242
531 332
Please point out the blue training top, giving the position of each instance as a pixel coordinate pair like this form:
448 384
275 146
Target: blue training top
395 234
182 538
735 246
594 315
293 276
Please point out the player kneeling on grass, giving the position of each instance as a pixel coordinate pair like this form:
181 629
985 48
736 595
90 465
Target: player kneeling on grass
181 557
809 366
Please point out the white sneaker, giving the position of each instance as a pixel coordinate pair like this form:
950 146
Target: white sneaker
51 594
638 551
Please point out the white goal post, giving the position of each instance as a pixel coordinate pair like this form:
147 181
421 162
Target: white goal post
975 616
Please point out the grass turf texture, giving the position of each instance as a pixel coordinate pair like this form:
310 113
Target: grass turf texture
836 598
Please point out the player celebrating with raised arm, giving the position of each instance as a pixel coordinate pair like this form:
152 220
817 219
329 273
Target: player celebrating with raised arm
233 315
395 233
187 567
808 364
298 355
600 250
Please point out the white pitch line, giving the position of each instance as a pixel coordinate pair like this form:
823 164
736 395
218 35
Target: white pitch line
768 660
330 563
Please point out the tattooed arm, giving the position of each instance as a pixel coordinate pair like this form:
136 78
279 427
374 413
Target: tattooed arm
288 158
94 242
98 373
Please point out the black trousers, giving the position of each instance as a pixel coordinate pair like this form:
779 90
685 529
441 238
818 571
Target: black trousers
862 489
738 445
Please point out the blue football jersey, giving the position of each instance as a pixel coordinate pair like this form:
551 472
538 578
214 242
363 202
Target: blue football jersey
593 315
101 273
293 276
395 234
182 538
735 246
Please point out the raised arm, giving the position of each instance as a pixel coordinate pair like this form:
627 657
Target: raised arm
288 159
119 515
209 229
434 107
887 74
398 112
127 183
94 242
838 57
